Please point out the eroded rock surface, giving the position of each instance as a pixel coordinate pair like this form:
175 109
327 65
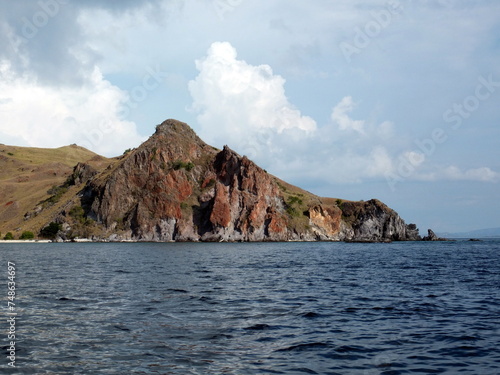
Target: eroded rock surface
175 187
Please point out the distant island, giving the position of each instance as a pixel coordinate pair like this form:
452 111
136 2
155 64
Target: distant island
174 187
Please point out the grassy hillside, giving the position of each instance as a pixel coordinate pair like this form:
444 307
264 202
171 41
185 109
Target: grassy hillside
28 174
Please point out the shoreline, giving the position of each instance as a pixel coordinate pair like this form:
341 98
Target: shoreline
25 241
87 240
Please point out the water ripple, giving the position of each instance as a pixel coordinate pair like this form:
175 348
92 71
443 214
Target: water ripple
265 308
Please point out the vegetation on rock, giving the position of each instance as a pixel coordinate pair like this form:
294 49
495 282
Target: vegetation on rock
148 195
50 231
182 165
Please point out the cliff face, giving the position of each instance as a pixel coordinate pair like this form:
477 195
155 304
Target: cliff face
373 220
175 187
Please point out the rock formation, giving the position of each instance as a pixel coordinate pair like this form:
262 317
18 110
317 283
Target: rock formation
175 187
431 236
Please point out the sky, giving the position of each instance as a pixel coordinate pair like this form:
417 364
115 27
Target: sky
396 100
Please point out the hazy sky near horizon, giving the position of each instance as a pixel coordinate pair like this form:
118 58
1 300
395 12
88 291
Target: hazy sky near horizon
357 99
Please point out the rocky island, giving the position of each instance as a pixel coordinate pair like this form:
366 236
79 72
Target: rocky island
175 187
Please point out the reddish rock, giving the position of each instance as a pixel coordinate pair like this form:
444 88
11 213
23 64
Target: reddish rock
327 219
221 211
176 187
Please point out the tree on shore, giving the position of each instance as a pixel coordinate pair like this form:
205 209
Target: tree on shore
27 235
50 231
9 236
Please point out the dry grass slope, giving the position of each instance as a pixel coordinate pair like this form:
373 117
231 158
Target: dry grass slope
26 176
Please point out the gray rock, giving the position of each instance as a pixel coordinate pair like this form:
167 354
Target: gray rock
431 236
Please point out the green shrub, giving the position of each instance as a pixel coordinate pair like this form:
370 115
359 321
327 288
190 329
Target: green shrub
56 193
292 211
153 153
180 164
77 213
281 186
90 222
291 206
294 199
50 231
27 235
9 236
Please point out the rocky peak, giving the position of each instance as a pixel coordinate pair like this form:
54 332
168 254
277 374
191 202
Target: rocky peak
173 143
228 164
431 236
174 128
176 187
231 167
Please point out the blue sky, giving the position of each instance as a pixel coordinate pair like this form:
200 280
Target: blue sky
395 100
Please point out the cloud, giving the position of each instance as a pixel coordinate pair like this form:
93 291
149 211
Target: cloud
483 174
48 39
243 104
52 91
412 166
341 118
380 162
233 98
43 39
46 116
246 107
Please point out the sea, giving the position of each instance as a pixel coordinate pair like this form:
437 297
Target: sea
252 308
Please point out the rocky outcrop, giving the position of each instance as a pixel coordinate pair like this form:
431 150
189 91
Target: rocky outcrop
82 173
175 187
431 236
373 221
244 204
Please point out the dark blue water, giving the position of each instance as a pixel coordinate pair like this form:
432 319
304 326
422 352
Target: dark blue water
266 308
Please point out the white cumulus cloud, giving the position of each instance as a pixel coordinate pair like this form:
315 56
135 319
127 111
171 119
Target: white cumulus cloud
234 98
38 115
246 107
341 118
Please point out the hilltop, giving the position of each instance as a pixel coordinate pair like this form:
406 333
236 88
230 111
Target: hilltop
175 187
28 176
